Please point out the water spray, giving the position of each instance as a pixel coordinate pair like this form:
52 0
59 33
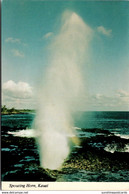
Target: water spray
62 88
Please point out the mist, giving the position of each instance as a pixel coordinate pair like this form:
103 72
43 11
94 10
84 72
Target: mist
61 90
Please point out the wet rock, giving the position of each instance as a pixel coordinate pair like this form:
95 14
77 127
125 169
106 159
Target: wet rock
27 174
22 160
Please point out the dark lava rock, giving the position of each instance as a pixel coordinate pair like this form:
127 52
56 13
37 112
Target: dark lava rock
27 174
93 158
20 159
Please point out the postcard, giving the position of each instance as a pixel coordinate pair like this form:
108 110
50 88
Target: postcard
65 95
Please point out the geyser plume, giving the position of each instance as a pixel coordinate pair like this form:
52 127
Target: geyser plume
61 90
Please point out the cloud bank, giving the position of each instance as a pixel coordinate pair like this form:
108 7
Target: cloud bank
18 95
17 90
117 102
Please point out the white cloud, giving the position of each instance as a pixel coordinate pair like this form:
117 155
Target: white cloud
48 35
18 95
124 97
104 31
15 40
17 53
21 90
123 94
12 40
117 102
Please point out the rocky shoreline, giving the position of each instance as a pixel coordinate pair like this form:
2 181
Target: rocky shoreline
20 159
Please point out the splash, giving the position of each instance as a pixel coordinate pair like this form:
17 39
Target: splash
61 90
29 133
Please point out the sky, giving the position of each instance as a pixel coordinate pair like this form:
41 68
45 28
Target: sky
29 26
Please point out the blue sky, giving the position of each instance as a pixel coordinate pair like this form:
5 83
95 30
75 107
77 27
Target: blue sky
28 27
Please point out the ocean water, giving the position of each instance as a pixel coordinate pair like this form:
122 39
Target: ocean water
100 129
116 122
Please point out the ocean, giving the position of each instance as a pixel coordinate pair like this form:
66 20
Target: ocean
102 156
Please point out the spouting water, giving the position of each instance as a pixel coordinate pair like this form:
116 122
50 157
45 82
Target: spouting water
62 88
